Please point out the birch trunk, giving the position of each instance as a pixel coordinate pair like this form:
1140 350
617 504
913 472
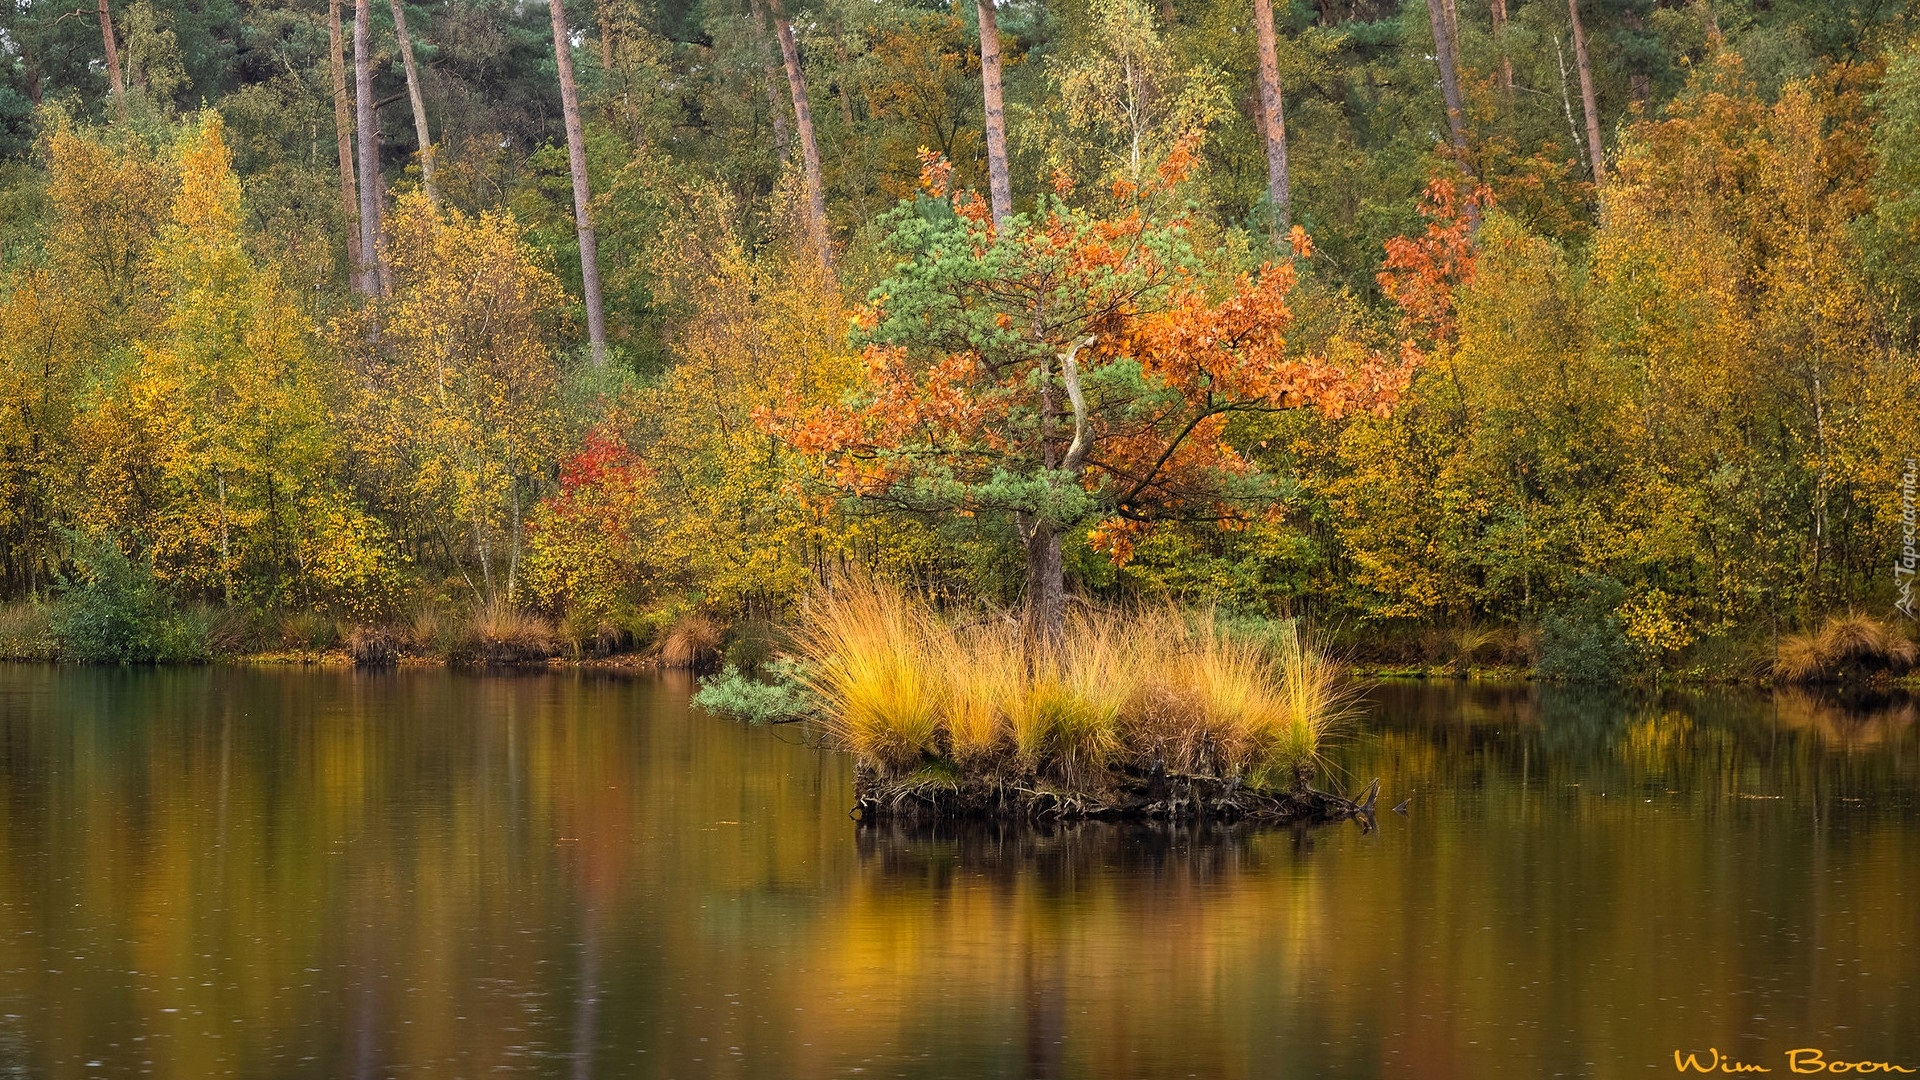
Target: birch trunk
343 132
418 101
1587 99
369 145
809 149
582 196
1274 123
999 184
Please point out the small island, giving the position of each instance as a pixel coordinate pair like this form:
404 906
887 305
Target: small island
1157 713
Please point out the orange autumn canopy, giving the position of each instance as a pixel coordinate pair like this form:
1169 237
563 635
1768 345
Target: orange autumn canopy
1072 369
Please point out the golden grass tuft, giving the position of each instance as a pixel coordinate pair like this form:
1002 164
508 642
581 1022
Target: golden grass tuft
1844 644
978 672
869 661
693 641
502 635
432 631
26 631
899 684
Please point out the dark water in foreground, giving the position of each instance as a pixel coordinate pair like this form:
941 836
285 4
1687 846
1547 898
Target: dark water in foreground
284 874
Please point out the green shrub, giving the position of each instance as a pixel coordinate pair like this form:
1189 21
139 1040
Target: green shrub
1583 641
113 612
118 613
773 697
751 644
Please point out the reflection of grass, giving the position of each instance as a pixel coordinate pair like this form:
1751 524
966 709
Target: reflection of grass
1840 724
901 687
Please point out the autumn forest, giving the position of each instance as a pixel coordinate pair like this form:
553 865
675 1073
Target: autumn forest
1571 336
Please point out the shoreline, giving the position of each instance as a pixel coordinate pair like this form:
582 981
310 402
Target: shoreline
651 661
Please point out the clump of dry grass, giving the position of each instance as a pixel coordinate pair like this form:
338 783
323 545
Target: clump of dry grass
26 631
373 647
501 635
869 661
1844 645
432 631
901 685
978 671
308 630
693 642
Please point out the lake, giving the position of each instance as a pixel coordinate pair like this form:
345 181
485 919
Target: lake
266 873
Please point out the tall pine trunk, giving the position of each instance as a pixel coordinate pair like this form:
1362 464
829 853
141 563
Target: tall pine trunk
1045 615
809 148
369 275
1274 125
116 85
1587 99
1704 9
782 137
582 196
999 184
1449 76
1499 43
343 132
418 101
1639 83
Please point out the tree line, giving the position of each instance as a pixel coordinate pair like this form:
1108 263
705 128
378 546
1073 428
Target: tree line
1520 327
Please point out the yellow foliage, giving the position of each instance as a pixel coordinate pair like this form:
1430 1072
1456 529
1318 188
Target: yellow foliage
459 396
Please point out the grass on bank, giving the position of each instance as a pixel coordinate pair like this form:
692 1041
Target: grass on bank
903 688
1845 646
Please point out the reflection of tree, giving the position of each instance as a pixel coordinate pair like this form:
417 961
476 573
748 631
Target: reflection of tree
443 876
1583 721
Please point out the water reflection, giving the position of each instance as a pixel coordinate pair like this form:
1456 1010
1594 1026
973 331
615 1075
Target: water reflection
258 873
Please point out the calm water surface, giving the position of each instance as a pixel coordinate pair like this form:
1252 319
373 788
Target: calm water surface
286 874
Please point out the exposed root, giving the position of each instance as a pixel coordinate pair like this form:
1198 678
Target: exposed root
1123 795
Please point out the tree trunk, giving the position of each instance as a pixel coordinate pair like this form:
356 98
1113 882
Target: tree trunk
115 84
1566 102
1705 10
1499 43
1586 94
603 12
369 267
1274 123
809 149
343 132
1639 83
1452 11
782 138
577 161
1449 76
840 84
1046 609
999 184
226 557
417 99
